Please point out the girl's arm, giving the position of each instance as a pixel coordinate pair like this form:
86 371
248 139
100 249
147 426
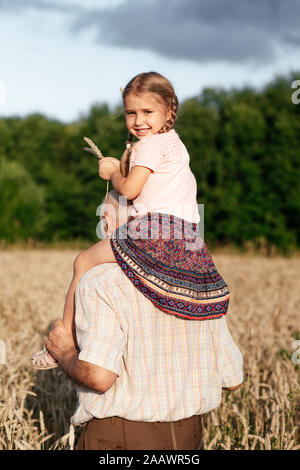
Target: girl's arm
132 185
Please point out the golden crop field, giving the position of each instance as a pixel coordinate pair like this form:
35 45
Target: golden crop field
35 406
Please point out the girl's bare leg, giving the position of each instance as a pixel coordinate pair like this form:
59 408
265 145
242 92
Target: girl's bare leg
97 254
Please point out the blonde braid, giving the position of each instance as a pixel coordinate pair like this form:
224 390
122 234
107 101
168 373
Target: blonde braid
173 108
125 160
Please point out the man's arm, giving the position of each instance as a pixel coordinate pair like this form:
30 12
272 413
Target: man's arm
61 346
232 389
232 366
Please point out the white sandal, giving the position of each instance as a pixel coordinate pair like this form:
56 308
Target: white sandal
42 360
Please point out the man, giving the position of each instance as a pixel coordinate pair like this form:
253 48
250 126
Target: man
145 377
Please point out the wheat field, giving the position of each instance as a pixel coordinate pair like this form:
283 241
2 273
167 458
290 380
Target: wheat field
35 406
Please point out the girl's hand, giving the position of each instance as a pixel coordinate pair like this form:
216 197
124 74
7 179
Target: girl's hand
107 166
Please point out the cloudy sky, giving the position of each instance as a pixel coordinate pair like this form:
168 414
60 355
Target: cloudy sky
59 57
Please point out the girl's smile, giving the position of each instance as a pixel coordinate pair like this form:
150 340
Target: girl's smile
145 114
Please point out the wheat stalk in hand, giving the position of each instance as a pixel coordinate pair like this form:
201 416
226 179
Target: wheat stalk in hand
93 148
95 151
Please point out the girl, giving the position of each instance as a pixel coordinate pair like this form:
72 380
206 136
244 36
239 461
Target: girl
158 247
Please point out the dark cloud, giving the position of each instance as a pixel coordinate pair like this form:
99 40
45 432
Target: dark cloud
235 31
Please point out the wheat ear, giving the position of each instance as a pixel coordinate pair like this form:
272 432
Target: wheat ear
95 151
93 148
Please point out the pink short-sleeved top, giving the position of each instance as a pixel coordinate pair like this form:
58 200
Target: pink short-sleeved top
171 188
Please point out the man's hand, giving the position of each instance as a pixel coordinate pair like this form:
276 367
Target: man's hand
60 342
232 389
107 166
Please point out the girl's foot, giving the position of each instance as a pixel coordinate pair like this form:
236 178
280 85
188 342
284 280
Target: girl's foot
43 360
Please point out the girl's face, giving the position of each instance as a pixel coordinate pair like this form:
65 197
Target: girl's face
145 114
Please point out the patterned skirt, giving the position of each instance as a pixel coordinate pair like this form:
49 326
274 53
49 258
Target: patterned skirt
167 261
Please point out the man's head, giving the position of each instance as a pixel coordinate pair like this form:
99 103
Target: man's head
113 213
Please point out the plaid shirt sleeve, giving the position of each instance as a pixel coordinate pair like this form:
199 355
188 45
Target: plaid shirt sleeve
232 367
101 340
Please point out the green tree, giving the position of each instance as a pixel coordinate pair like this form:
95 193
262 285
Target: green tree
22 204
244 147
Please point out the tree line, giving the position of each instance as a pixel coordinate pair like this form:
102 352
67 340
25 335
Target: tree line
244 146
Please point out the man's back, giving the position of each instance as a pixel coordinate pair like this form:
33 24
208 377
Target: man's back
169 368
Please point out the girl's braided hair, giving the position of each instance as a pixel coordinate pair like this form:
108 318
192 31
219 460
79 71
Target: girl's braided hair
150 82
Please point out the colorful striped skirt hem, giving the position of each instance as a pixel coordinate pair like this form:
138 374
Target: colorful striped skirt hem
167 261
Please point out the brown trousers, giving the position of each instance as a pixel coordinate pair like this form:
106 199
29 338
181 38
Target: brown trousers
120 434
